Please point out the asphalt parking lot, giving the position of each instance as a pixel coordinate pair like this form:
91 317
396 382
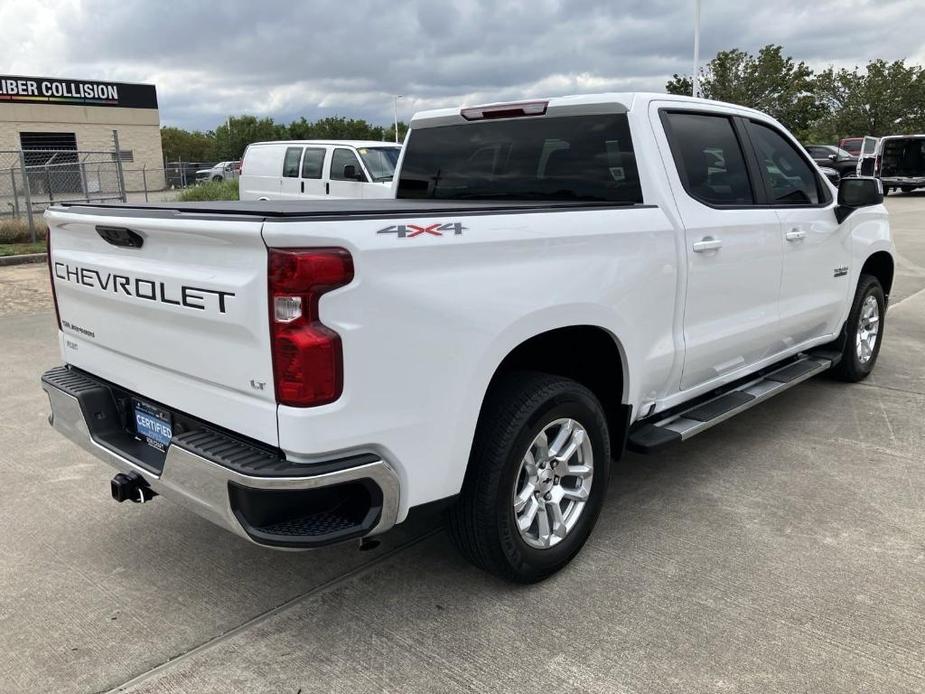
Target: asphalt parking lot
781 551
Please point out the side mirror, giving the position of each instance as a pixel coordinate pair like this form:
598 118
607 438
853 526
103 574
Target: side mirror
833 157
855 192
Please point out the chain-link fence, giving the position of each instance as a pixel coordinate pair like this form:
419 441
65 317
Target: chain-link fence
156 184
31 179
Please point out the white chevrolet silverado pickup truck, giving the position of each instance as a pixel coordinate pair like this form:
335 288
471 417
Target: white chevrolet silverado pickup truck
554 282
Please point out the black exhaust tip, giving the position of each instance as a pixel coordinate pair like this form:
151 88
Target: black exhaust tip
130 486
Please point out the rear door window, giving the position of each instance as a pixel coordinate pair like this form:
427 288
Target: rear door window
291 162
789 179
709 158
567 158
312 163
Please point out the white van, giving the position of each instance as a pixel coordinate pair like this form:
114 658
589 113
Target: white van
317 169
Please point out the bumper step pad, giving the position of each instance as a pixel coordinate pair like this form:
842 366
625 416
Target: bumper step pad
316 524
245 486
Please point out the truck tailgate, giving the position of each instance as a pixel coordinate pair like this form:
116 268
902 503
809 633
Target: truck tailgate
171 307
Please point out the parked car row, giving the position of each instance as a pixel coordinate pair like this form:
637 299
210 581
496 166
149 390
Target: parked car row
897 160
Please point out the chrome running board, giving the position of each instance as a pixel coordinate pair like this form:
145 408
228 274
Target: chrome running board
658 430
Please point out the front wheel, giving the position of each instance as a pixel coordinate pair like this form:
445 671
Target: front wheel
863 331
536 480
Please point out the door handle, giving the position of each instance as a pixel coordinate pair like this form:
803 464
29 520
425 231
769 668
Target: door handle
707 244
795 235
303 186
327 188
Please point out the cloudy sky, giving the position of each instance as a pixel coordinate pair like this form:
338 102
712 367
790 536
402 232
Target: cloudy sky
314 58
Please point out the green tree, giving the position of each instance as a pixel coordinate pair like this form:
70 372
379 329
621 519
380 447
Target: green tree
768 81
234 135
185 145
230 139
340 128
883 99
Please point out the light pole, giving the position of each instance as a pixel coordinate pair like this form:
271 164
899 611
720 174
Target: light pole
395 105
695 81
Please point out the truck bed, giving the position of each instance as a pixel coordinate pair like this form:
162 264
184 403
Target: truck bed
329 209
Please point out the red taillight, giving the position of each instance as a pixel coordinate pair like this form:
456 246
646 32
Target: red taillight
308 364
515 110
51 276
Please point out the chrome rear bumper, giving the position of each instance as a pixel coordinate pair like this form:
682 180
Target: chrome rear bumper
202 485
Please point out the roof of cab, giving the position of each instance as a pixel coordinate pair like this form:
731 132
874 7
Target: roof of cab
581 104
336 143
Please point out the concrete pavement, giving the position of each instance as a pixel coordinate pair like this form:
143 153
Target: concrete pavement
781 551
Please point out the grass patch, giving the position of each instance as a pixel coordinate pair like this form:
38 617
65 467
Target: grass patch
17 231
211 190
21 248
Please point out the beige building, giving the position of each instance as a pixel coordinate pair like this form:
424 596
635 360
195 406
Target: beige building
49 118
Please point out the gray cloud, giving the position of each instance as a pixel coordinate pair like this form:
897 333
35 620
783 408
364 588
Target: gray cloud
284 59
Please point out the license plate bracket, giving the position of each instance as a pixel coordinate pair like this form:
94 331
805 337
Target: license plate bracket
153 425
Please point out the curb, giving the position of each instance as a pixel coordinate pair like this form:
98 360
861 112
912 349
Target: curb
22 259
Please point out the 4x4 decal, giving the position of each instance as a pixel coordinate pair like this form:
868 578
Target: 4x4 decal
411 230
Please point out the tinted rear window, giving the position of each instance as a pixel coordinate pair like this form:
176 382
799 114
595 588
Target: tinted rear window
291 162
568 158
709 158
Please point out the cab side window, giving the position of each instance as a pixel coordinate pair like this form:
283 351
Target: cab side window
788 177
291 162
312 163
709 158
343 158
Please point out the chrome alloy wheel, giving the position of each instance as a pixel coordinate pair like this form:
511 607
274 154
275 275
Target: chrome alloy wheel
553 483
868 329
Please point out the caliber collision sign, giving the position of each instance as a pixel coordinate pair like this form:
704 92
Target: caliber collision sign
32 90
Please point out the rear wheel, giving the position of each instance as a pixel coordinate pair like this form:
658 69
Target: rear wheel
536 479
864 331
907 189
216 178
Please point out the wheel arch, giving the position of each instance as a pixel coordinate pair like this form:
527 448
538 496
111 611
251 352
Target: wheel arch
588 354
881 266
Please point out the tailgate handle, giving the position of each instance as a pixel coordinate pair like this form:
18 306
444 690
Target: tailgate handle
120 236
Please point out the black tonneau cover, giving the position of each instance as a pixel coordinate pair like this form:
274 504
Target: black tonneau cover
318 210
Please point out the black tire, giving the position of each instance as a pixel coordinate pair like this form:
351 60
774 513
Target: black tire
482 522
886 191
906 189
851 368
217 178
